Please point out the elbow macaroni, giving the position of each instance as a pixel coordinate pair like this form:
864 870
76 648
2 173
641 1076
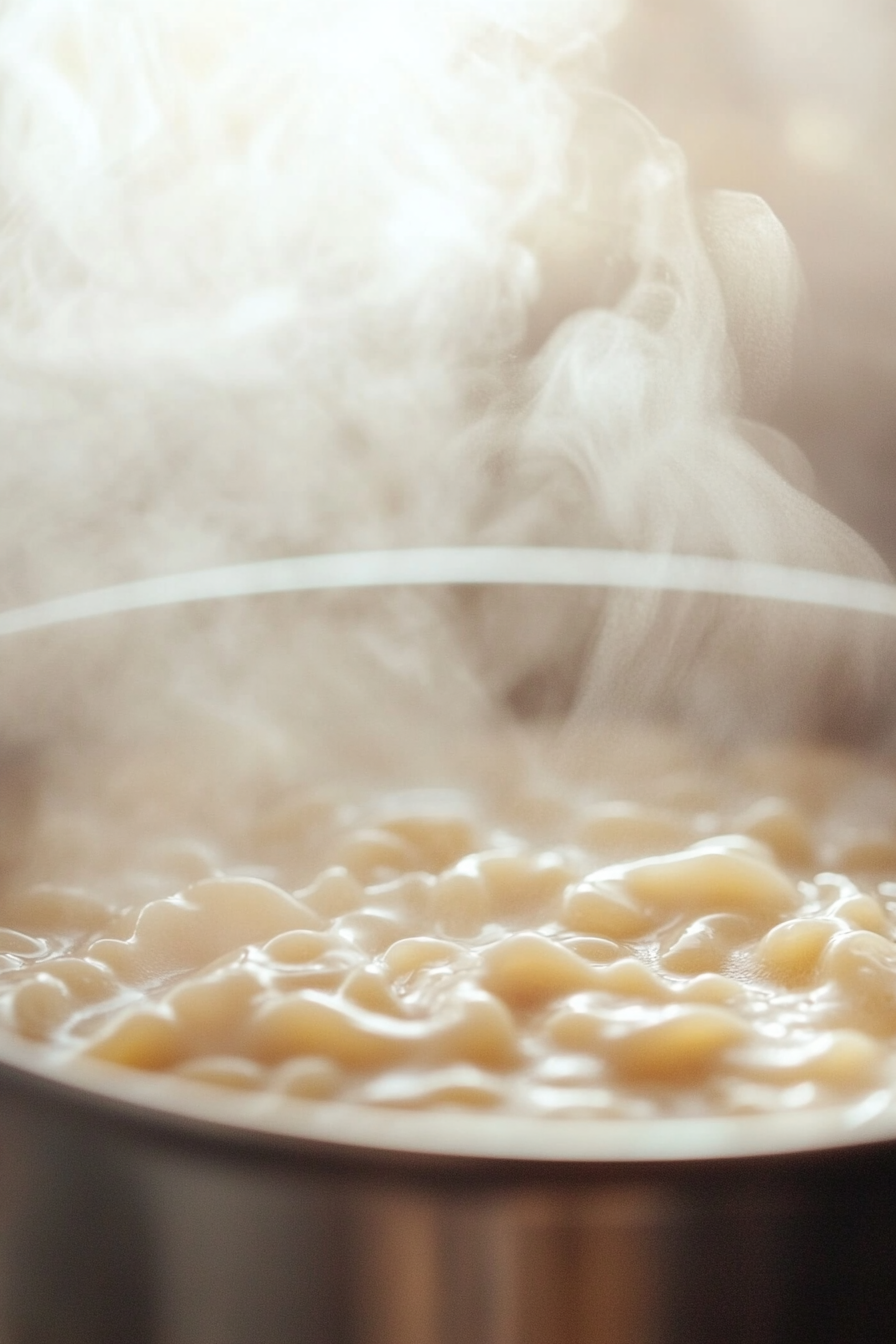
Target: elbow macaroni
651 958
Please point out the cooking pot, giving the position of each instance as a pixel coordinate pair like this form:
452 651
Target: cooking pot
142 1208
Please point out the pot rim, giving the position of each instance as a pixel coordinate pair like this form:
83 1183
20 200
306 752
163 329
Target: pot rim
350 1133
478 566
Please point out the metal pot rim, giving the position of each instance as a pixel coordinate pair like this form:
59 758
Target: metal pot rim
169 1107
523 566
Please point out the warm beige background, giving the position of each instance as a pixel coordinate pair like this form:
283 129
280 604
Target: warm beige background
796 100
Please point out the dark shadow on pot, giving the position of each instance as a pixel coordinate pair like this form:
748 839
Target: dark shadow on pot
81 1270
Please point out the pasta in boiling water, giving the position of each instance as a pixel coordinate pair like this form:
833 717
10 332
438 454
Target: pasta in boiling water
693 938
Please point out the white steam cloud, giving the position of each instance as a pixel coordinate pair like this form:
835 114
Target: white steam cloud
261 265
278 276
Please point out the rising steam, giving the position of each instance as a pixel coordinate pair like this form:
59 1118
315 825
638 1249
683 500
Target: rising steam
279 276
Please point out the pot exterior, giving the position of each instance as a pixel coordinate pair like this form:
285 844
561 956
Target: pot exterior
109 1235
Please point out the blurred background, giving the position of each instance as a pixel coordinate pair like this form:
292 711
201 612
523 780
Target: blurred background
797 102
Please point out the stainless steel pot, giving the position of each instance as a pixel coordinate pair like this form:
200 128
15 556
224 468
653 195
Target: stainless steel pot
125 1226
141 1209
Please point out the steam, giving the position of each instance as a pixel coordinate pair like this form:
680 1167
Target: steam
261 264
278 277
